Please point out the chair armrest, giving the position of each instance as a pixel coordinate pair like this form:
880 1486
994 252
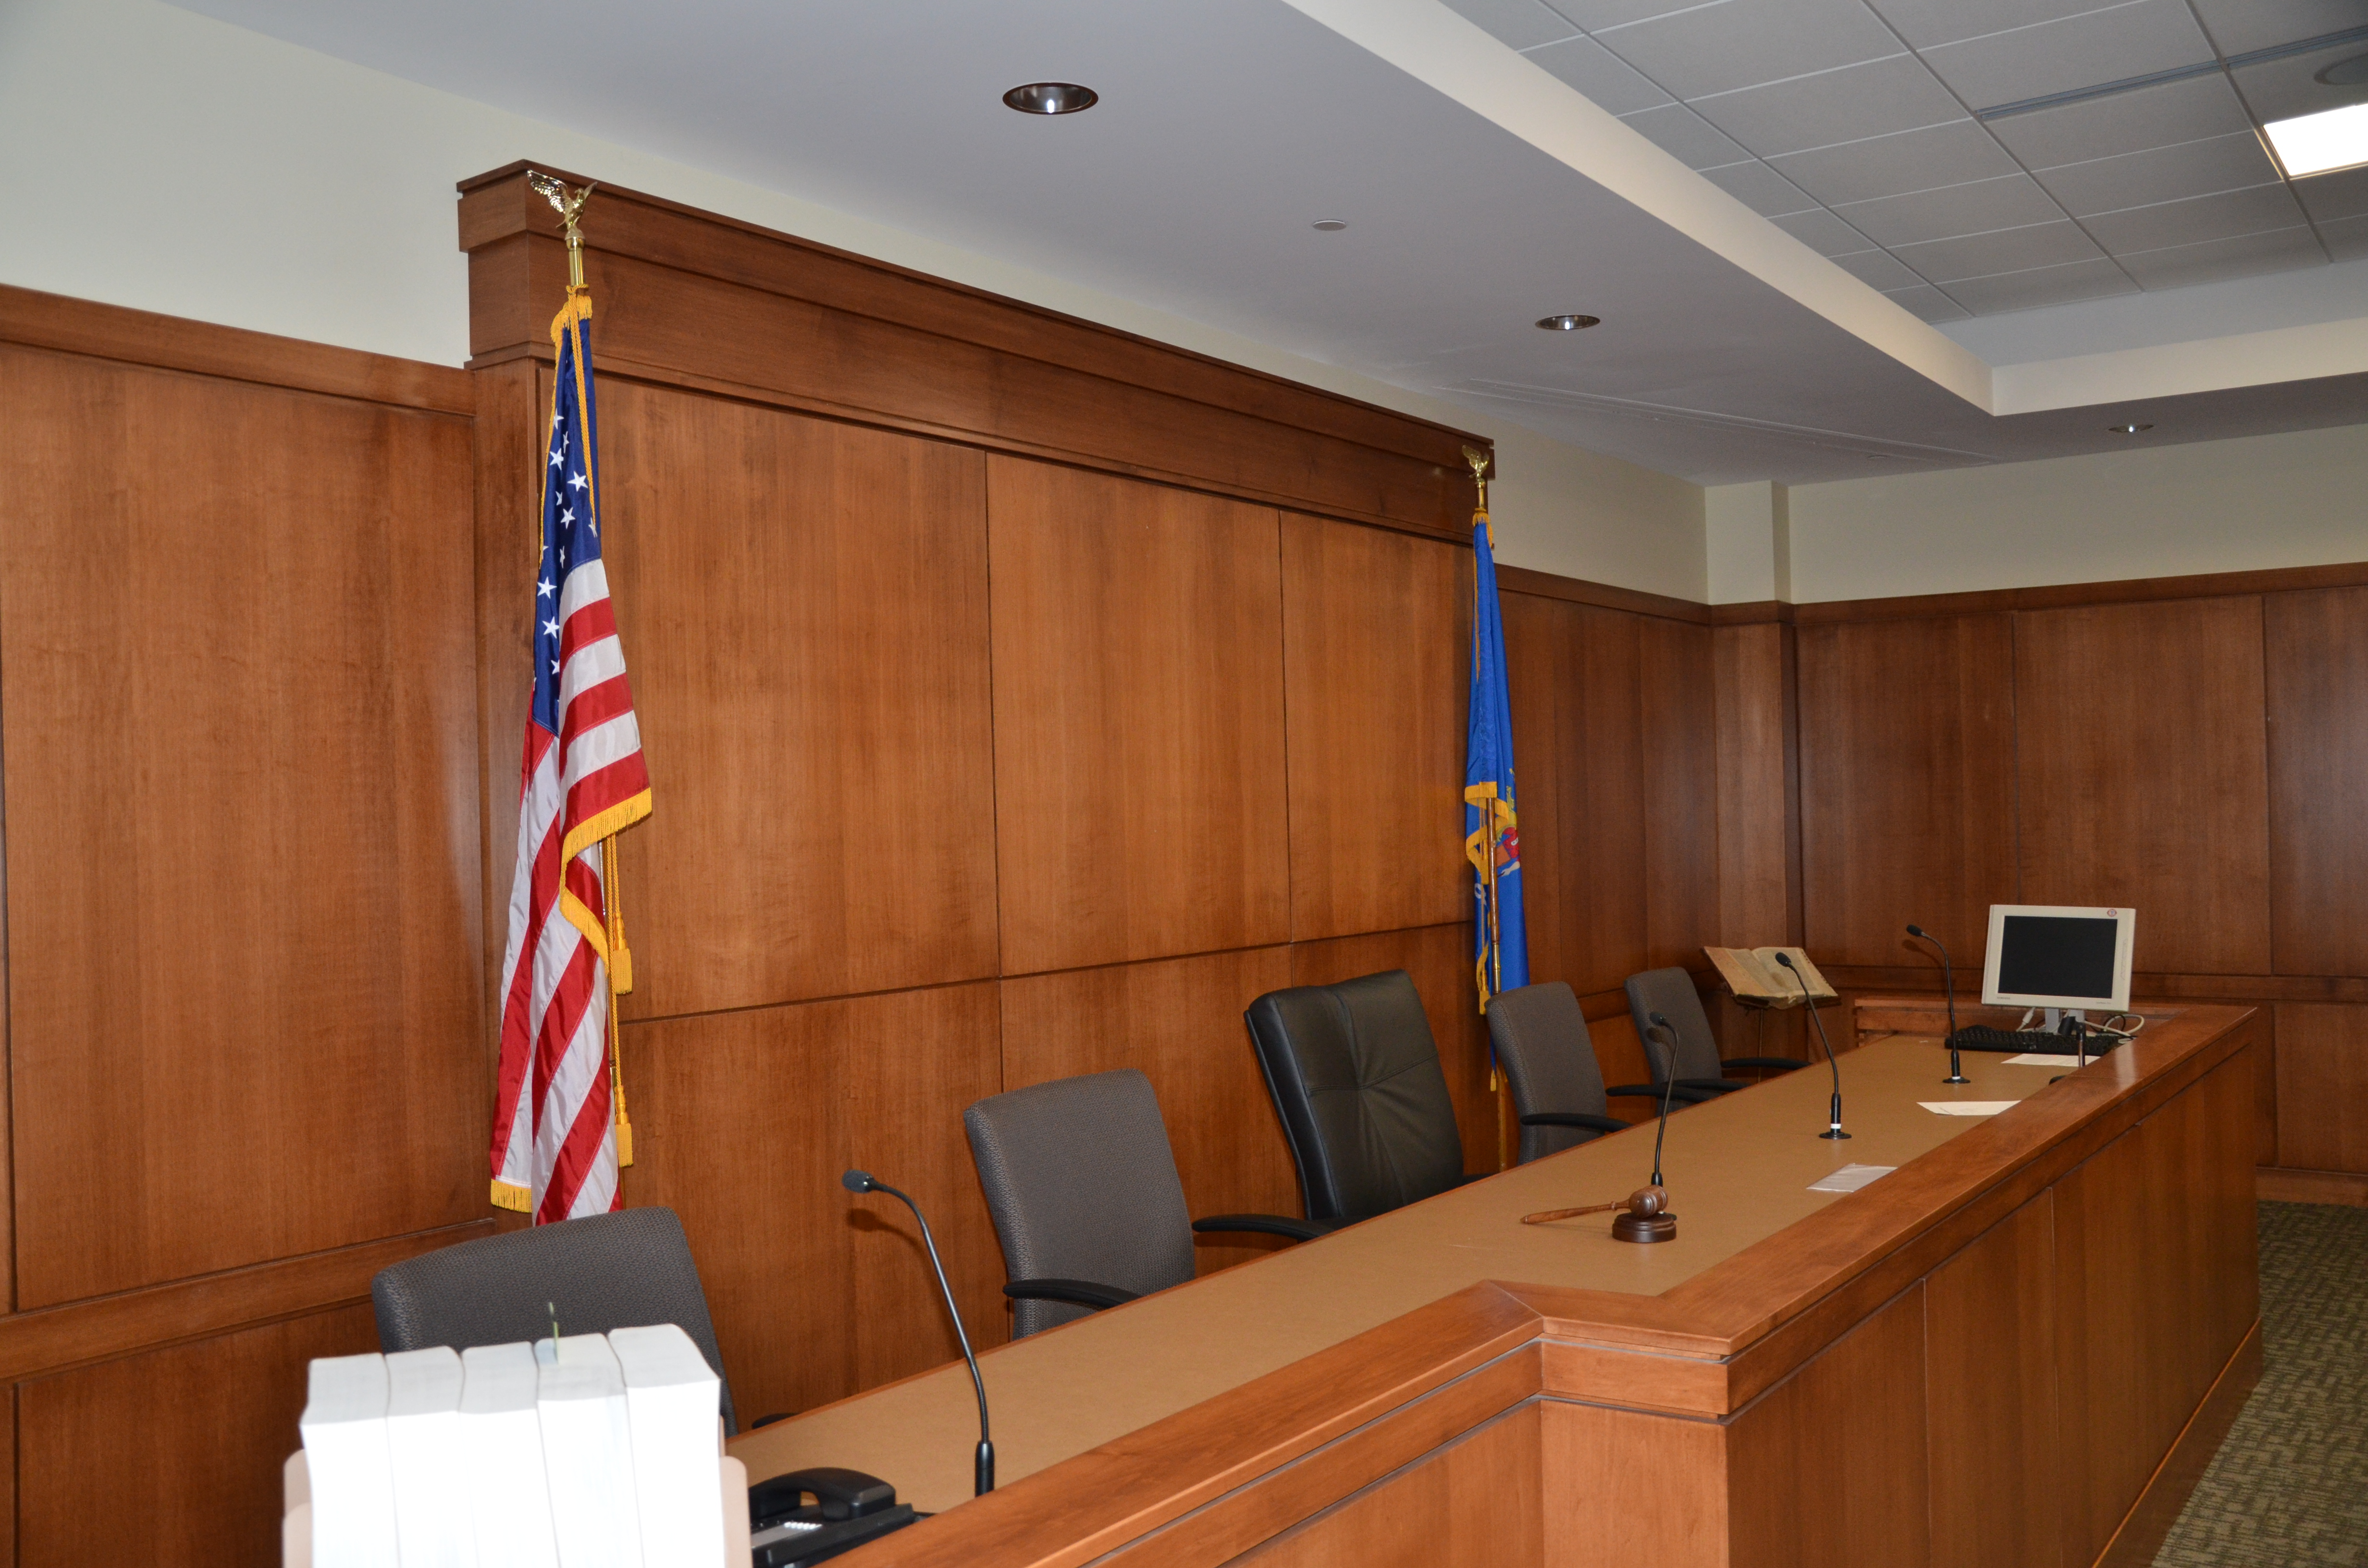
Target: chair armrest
1768 1063
1711 1085
1268 1225
1684 1095
1076 1293
1574 1118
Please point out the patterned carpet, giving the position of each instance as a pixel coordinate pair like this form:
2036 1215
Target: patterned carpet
2290 1487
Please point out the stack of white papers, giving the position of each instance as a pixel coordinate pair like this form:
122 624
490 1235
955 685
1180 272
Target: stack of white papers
423 1433
344 1427
1849 1178
588 1449
672 1397
501 1447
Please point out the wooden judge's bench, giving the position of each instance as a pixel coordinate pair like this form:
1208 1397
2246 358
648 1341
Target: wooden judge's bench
2017 1349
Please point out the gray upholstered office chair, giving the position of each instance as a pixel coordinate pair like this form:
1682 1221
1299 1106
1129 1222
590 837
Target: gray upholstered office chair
1082 1185
1692 1056
626 1270
1558 1092
1355 1076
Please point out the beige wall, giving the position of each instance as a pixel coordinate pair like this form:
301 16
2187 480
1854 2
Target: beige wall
154 158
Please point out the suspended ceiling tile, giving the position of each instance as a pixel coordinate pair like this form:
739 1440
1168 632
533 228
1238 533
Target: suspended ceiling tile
2100 46
1604 78
1823 232
1687 136
2239 27
2195 220
2041 286
1717 48
2343 194
1759 188
2279 90
2346 238
1524 24
1930 303
2008 250
2124 122
1878 268
1858 101
2011 201
2161 173
1924 23
1907 159
2175 266
1593 14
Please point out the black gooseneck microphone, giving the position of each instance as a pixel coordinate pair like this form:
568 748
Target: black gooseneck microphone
1669 1037
1949 986
1809 1002
864 1181
1646 1217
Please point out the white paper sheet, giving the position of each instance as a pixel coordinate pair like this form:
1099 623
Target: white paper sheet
1849 1178
2040 1059
1967 1108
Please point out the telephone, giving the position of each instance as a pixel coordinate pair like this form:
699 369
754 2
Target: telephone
848 1509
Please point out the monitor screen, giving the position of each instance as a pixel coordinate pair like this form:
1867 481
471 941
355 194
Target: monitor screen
2054 956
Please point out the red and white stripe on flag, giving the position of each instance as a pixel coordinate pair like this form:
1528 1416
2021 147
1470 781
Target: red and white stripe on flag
583 778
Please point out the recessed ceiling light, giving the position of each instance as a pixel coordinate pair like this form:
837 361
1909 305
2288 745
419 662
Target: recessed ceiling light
2349 72
1566 322
1329 225
2132 428
1052 97
2317 144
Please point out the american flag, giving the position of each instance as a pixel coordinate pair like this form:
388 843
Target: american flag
583 779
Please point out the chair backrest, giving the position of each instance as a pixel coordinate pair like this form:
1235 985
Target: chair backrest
626 1270
1671 993
1541 1044
1355 1076
1082 1185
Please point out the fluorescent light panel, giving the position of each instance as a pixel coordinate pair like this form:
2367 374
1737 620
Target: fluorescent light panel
2315 143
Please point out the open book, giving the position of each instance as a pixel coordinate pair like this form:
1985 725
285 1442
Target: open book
1754 975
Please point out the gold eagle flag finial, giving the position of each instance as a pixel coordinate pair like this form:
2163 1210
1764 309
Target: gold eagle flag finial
1479 462
569 204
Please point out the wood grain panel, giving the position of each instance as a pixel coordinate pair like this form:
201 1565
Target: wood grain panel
2316 658
1439 959
743 1122
202 1492
1990 1369
2322 1076
1600 756
508 436
803 607
237 670
1626 1489
2143 764
1180 1022
1908 767
1139 802
1848 1430
1759 836
1474 1504
1677 688
1376 630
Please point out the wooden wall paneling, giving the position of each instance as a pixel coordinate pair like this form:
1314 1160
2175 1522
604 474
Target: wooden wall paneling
1376 632
112 1450
253 907
2143 766
1758 821
1989 1367
1180 1022
1536 642
1627 1490
1139 802
1476 1503
1849 1429
1907 774
2315 659
1680 775
2322 1087
743 1120
2265 1090
1601 799
1621 1054
1440 959
803 608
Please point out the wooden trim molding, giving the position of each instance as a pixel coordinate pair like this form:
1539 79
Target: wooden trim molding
172 343
2281 1186
693 300
2144 988
1577 591
1753 612
2060 596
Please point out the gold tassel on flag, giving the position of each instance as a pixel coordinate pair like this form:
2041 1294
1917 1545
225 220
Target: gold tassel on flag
621 980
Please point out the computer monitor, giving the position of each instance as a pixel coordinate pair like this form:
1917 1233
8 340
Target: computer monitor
2044 955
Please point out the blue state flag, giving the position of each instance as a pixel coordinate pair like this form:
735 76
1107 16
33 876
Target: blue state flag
1491 827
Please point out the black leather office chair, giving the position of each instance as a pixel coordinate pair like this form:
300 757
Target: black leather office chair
1082 1185
1693 1057
1355 1075
1549 1062
627 1269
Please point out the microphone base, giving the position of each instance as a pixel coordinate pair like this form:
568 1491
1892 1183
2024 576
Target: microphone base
1833 1132
1644 1228
1956 1078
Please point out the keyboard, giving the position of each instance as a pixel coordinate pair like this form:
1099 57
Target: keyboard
1981 1037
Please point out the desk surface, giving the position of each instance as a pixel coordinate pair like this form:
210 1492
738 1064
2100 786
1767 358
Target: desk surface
1738 1170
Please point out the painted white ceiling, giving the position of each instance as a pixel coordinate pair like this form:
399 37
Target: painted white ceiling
1225 128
